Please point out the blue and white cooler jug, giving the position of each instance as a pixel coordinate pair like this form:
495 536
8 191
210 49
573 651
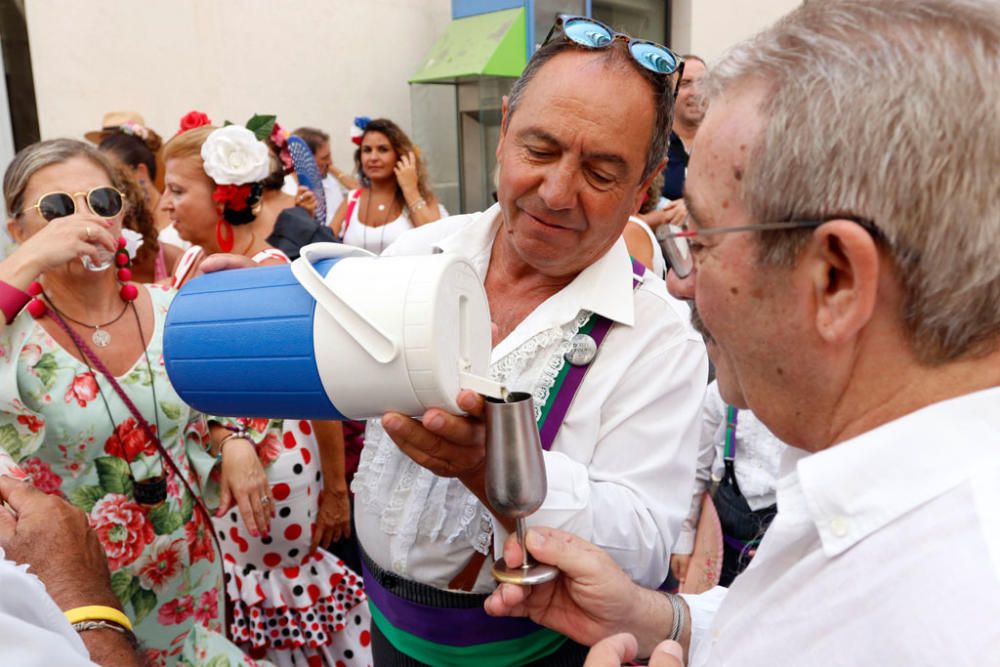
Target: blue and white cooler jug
340 333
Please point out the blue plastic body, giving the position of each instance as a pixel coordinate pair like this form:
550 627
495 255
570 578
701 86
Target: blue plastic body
240 344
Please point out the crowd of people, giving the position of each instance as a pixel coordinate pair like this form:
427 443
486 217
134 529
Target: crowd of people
766 393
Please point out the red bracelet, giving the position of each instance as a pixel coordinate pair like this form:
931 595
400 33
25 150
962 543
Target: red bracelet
12 301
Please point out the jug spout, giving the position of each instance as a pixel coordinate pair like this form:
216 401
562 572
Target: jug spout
485 386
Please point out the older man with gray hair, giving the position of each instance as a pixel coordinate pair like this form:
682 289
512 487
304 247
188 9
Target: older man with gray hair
844 234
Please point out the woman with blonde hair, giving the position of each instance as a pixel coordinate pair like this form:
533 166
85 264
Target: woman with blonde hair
394 194
283 492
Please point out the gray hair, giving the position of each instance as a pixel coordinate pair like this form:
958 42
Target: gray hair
888 110
39 155
617 53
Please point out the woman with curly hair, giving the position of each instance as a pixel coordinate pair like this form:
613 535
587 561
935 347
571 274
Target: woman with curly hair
394 196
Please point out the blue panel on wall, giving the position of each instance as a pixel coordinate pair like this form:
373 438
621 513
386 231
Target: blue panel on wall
463 8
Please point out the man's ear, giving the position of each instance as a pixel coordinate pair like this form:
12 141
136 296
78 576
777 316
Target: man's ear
504 119
644 186
844 268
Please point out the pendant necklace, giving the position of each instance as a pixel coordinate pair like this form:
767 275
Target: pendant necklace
152 491
100 337
367 223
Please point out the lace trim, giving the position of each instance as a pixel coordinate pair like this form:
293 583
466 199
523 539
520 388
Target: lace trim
514 363
410 500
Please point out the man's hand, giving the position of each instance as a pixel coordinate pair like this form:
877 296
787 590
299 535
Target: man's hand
673 213
592 598
679 566
448 445
305 198
55 539
223 262
619 649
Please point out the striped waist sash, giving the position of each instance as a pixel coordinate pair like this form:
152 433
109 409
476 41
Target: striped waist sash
440 627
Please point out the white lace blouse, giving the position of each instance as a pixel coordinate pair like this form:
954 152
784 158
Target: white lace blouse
621 467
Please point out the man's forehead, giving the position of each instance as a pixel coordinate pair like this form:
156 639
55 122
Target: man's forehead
721 153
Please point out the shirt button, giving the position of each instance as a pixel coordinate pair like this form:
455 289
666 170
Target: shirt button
839 526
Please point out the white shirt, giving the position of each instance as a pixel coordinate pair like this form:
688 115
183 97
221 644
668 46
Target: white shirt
621 467
885 551
757 457
33 630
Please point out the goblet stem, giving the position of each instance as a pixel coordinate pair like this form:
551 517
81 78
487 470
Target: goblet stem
525 558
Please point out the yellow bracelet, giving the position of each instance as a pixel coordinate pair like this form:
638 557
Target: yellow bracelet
98 612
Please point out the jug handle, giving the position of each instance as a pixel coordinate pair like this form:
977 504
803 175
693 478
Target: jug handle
366 333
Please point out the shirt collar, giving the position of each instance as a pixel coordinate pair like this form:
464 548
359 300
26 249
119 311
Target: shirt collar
859 486
604 287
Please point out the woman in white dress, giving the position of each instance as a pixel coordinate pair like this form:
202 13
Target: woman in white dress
394 196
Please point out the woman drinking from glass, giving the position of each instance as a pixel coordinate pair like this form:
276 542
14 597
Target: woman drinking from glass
85 404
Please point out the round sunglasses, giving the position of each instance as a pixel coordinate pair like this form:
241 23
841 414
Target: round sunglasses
595 35
103 201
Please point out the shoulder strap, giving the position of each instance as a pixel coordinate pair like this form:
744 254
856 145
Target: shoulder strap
352 202
185 264
571 377
270 253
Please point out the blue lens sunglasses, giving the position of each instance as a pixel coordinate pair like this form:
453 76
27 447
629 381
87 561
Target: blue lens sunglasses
592 34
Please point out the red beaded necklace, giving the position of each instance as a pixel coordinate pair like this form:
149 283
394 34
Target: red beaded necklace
128 292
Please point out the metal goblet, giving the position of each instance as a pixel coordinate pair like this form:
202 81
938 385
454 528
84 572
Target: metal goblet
515 477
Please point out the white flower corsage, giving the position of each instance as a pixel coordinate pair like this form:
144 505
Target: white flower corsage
233 156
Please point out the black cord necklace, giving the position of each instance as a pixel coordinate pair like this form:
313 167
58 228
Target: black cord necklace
100 337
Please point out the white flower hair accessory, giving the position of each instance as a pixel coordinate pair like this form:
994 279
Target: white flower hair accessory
234 156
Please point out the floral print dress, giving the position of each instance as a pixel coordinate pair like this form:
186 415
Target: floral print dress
53 421
291 606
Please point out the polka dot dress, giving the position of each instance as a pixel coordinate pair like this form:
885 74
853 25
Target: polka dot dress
289 606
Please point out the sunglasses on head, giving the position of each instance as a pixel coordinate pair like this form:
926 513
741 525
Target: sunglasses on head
103 201
592 34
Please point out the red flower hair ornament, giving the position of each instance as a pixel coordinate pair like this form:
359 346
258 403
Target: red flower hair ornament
193 119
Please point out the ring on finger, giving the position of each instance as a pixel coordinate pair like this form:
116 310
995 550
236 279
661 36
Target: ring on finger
265 500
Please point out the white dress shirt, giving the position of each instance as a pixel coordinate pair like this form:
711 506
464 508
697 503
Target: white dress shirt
33 630
757 456
621 467
885 551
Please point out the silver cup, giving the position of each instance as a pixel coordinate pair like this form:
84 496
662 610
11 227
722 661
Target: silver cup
515 477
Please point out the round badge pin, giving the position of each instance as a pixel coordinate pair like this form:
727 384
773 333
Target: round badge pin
582 350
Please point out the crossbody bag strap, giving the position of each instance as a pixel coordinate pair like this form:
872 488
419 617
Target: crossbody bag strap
571 377
164 455
553 413
729 450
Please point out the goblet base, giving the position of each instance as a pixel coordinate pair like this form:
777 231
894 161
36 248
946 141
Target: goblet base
535 573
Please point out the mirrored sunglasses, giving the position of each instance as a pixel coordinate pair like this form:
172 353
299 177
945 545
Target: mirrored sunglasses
595 35
103 201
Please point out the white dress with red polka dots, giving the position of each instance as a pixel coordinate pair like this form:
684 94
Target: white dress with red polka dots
289 606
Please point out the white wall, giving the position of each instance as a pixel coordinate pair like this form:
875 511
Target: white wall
709 27
312 62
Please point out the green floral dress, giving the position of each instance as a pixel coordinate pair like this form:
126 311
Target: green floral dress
54 422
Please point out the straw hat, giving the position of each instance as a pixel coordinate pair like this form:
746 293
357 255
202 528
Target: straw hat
111 121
